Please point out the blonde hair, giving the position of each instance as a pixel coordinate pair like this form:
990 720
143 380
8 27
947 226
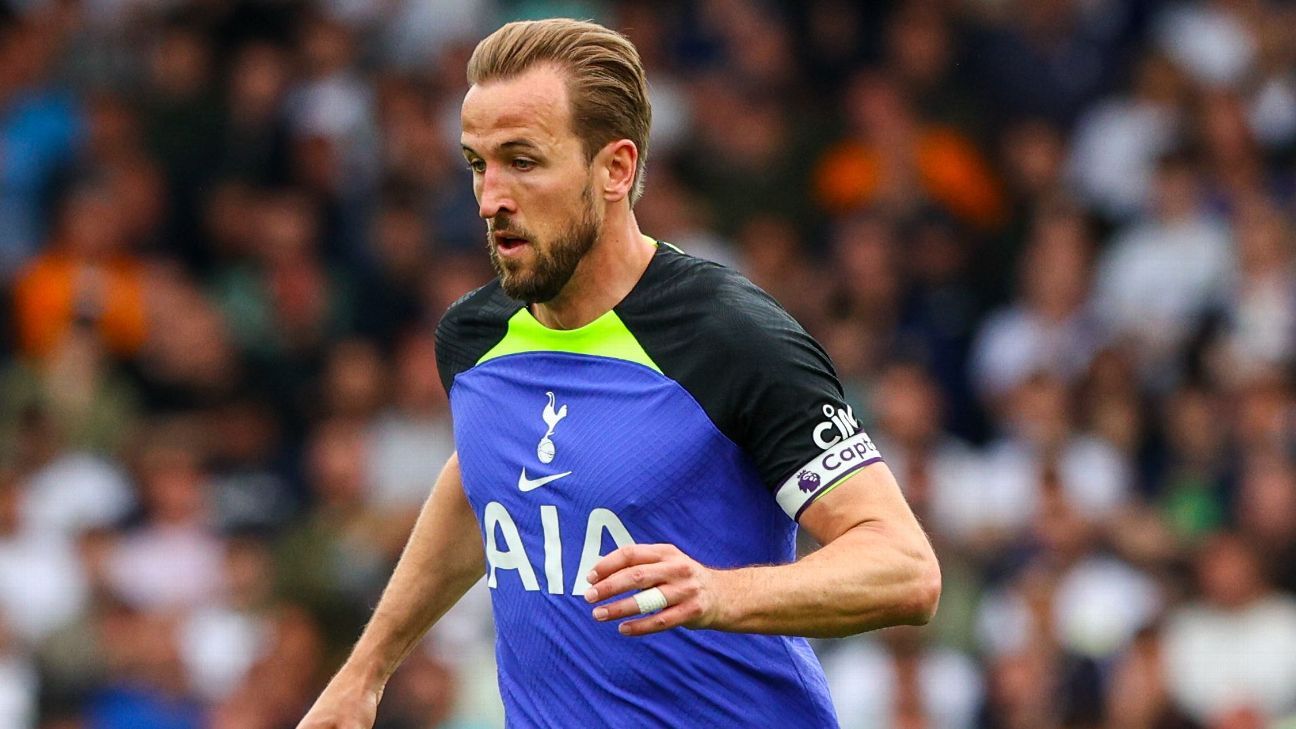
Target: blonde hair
606 80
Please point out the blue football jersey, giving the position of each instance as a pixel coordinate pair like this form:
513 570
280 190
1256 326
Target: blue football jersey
695 413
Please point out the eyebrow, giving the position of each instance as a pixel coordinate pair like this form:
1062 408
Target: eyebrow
512 144
520 143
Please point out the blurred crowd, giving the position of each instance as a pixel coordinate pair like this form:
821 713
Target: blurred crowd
1049 244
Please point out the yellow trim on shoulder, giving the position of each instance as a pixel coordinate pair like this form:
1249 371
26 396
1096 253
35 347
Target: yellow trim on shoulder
606 336
659 243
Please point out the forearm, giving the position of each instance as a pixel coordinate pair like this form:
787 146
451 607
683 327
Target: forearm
876 569
441 560
865 579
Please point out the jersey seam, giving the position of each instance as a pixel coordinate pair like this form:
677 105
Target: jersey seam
497 358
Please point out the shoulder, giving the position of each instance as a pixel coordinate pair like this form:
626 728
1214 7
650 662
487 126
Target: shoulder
764 382
470 327
479 306
711 305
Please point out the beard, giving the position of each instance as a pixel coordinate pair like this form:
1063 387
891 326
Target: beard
553 262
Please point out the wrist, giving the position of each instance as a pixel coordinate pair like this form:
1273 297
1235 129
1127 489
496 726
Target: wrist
725 602
365 673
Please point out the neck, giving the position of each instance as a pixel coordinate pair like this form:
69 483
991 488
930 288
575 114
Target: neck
603 278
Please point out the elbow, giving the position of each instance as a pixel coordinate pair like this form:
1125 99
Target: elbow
911 601
924 594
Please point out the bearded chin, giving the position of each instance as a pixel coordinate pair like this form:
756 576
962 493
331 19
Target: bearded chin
553 265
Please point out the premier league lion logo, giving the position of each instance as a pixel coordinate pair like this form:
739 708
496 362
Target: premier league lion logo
808 481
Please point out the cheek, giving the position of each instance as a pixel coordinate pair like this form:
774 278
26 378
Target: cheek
543 206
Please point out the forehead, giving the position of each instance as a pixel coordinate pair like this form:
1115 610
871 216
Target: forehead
532 106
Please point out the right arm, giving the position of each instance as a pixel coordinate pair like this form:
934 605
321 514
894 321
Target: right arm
442 559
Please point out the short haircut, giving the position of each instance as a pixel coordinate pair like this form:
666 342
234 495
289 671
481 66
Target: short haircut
606 80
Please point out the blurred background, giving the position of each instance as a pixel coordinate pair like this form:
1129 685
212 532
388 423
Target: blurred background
1048 243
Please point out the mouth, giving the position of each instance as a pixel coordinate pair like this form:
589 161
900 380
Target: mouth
508 244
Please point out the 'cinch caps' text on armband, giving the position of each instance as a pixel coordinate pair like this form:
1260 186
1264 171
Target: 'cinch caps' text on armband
824 473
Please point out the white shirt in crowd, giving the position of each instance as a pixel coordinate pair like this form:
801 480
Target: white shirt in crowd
405 457
1206 41
42 584
1097 606
1114 154
1158 277
862 680
1095 481
1016 343
75 492
167 567
19 685
1217 660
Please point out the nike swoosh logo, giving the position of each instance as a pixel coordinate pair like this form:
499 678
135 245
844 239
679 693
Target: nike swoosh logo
531 484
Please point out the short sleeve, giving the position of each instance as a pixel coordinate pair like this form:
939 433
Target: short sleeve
763 381
786 409
469 328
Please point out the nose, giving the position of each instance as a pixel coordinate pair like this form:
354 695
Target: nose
493 195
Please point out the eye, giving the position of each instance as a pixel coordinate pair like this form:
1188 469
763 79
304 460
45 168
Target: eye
522 164
477 165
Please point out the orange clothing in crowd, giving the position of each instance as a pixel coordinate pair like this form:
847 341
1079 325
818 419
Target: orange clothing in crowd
58 288
948 168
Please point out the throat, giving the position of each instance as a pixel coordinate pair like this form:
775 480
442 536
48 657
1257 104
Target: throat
555 318
600 283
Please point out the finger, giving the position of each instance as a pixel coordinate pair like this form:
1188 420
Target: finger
672 617
628 607
633 577
623 557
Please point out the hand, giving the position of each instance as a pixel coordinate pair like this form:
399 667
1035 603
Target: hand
692 591
344 704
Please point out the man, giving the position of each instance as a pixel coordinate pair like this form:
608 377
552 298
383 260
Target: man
638 433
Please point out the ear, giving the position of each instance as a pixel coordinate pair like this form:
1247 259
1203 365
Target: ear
617 163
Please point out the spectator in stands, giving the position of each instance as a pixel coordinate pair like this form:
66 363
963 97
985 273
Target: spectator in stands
895 158
1160 276
896 680
1048 327
172 560
87 276
1229 649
